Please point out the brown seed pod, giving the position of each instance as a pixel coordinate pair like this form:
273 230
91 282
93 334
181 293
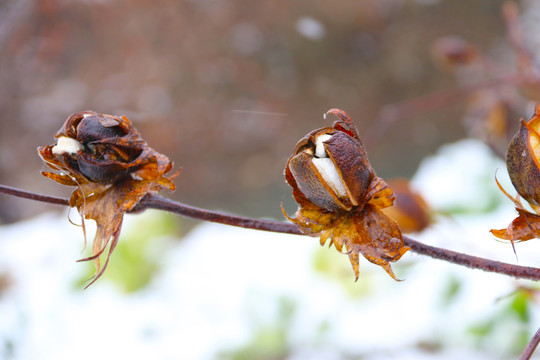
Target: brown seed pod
523 159
103 148
331 169
410 210
112 167
522 162
340 196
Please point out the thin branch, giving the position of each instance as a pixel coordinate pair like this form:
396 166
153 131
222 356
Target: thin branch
473 262
531 346
161 203
33 196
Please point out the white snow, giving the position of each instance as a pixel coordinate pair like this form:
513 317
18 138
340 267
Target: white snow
220 285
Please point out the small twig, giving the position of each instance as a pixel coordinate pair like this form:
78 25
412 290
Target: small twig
161 203
473 262
33 196
531 346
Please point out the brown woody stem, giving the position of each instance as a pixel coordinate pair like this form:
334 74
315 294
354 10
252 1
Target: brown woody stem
473 262
33 196
161 203
531 346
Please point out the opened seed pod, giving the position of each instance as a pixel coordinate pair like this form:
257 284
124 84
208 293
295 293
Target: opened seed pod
331 169
340 198
112 168
523 160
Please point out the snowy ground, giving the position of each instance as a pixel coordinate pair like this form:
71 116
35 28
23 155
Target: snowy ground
222 292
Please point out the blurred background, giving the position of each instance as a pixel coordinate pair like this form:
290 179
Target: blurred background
226 88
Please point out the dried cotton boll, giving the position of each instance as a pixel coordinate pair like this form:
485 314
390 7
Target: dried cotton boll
112 168
340 197
523 164
523 160
410 210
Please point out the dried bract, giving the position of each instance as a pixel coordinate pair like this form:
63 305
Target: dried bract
113 169
340 196
523 164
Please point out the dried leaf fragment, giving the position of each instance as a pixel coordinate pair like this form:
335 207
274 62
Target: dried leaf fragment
340 198
112 167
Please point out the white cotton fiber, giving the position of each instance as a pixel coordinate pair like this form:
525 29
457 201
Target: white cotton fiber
320 151
329 173
66 145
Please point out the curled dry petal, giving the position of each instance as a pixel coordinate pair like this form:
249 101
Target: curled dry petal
340 196
525 227
113 169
